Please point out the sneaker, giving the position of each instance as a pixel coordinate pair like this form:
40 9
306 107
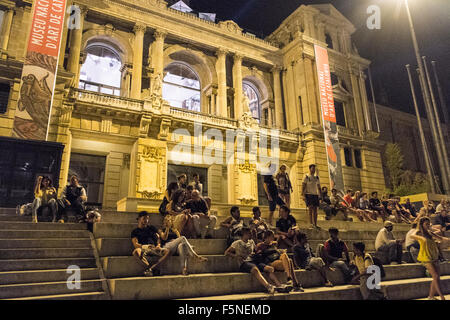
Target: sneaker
328 284
148 273
271 289
431 298
284 289
393 263
298 288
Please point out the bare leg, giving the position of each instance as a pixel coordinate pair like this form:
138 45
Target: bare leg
272 276
435 287
270 218
162 259
137 253
255 272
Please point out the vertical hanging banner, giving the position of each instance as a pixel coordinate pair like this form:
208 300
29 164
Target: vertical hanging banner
38 79
329 118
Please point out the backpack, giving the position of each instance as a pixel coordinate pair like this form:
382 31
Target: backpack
378 263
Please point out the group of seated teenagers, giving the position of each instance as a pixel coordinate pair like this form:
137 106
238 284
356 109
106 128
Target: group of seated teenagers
365 208
185 208
73 198
258 250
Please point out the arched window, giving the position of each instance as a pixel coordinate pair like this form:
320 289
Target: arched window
254 102
181 87
101 70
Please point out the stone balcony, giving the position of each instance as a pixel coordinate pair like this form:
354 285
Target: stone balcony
90 102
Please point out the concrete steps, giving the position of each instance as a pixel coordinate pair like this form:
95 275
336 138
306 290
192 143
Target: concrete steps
42 234
13 225
95 295
45 243
45 264
395 290
35 276
40 253
46 288
35 258
216 284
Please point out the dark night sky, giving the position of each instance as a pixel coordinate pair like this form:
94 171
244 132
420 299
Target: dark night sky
389 48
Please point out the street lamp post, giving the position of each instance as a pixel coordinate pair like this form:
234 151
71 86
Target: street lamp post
427 99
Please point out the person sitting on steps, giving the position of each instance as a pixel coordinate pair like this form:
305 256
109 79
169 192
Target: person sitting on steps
242 250
72 198
146 243
278 259
387 246
305 259
234 223
175 243
44 197
204 222
257 225
286 229
331 252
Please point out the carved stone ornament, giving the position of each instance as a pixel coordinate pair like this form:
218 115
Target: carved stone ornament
164 129
247 121
247 201
151 154
246 167
144 127
153 195
231 26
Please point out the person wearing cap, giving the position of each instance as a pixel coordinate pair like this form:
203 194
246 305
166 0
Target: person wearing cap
146 243
386 244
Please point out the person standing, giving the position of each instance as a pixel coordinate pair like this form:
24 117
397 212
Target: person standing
284 185
429 255
273 197
182 181
311 194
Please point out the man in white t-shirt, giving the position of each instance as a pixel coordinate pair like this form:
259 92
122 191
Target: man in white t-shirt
311 194
412 245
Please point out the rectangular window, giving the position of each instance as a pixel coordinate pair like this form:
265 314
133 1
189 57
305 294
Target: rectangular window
90 171
339 110
173 171
358 161
4 97
348 157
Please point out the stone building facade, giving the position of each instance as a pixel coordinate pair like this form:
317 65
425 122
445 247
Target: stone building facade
122 125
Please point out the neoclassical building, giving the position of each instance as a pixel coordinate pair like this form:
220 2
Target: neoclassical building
137 78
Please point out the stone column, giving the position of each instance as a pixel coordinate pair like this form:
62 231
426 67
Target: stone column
237 85
321 31
310 76
138 53
279 117
365 102
75 45
222 83
6 28
357 102
158 52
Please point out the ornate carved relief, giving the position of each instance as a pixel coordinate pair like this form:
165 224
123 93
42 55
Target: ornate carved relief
144 126
164 129
150 180
230 26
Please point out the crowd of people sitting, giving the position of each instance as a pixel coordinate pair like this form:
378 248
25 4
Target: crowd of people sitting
259 248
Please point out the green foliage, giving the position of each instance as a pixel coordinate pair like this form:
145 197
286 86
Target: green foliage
403 182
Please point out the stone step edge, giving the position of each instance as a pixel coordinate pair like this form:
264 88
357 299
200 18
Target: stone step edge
88 293
43 270
6 286
259 295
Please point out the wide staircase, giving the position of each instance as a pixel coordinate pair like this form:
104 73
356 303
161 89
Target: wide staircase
39 255
36 260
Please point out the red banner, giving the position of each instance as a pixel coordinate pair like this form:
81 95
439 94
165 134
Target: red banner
325 87
329 119
39 70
